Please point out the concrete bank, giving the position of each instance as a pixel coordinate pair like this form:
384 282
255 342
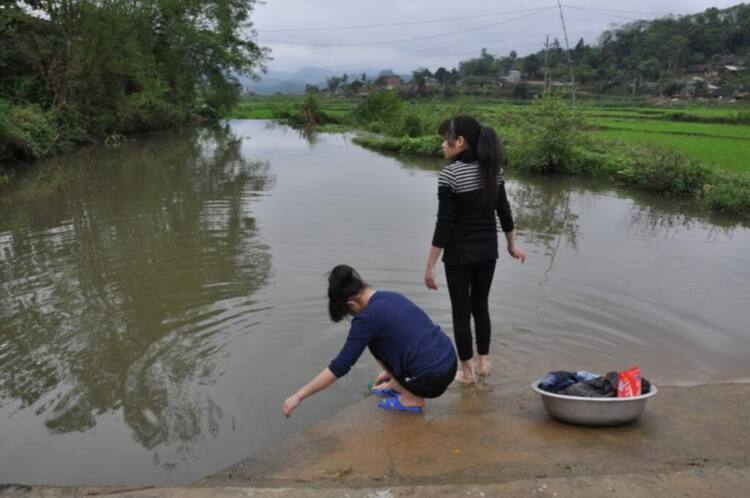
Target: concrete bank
692 441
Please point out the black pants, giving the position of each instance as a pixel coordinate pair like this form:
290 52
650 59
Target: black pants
431 386
469 289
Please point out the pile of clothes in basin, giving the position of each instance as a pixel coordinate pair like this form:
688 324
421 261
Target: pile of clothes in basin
590 385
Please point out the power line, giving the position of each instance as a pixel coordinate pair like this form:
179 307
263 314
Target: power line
607 14
434 55
618 10
406 23
404 40
570 58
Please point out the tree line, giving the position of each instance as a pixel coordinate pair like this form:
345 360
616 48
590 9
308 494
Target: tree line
641 57
77 70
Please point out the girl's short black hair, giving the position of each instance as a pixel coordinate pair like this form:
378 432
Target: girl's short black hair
343 283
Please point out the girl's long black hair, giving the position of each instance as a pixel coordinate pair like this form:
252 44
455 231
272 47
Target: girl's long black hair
343 283
484 146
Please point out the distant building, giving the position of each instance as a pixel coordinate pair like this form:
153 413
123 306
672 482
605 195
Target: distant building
431 83
481 83
389 81
514 77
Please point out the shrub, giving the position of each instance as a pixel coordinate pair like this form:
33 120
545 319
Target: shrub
547 133
424 146
664 171
427 146
382 106
26 132
147 112
728 193
590 161
412 126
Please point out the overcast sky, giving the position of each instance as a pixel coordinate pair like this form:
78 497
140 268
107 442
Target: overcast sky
460 30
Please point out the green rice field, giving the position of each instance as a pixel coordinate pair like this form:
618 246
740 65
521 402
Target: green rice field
720 145
715 135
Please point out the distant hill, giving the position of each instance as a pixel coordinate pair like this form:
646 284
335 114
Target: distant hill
294 83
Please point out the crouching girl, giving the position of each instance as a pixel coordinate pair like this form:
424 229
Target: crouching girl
417 357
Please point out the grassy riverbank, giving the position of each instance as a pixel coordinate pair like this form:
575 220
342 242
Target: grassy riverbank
686 150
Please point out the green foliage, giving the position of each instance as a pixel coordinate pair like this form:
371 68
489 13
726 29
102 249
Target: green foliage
412 125
423 146
311 109
664 170
87 69
728 193
146 112
382 106
26 132
595 161
308 113
545 137
738 118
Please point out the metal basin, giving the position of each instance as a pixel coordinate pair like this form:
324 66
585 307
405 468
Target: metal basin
593 411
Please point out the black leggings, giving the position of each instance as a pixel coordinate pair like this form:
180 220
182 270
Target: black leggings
469 289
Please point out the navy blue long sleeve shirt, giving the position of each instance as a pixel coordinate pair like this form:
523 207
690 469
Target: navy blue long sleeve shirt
400 335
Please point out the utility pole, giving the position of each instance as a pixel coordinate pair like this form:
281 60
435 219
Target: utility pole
570 57
546 67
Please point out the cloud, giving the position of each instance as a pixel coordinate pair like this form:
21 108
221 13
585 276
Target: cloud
466 29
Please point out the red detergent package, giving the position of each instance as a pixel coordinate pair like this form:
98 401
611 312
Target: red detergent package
629 383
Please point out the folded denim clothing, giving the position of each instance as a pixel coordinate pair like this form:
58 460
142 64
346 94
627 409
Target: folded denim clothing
600 387
558 381
554 382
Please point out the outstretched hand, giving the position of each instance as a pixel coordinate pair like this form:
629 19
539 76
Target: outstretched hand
290 404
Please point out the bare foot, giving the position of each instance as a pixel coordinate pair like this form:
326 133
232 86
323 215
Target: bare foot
484 366
466 374
388 384
411 400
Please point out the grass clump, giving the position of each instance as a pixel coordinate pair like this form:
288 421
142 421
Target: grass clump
423 146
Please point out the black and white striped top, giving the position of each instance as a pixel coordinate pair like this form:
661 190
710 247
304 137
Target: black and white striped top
466 228
463 177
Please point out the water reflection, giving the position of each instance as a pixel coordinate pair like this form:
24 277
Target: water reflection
119 279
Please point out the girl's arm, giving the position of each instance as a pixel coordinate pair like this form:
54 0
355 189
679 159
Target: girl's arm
429 274
446 218
506 221
320 382
515 251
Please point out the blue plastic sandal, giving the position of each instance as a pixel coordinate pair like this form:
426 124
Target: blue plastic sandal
394 405
386 392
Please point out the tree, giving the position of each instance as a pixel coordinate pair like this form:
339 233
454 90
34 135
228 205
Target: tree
531 65
106 67
484 65
333 83
419 78
442 75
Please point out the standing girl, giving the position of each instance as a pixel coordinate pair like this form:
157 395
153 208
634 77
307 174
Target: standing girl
470 191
